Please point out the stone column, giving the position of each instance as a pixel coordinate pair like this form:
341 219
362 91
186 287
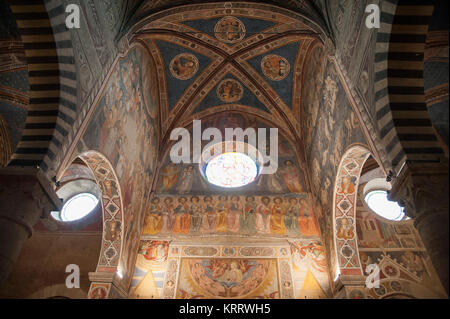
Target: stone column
422 189
25 196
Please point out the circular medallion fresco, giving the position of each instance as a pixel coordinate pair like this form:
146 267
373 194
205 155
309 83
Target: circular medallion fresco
230 91
184 66
229 30
275 67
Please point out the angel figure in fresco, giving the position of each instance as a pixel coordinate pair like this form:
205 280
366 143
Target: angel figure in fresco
196 213
291 177
209 219
347 186
222 213
306 220
169 177
234 214
167 213
262 216
154 250
186 180
316 253
277 217
345 230
153 219
182 220
291 217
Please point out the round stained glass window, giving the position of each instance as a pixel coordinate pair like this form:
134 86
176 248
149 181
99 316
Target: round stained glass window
378 202
78 207
231 170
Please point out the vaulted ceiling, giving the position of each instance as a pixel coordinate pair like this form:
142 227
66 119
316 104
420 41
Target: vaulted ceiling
247 57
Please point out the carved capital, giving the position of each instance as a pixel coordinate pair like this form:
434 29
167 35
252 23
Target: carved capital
421 188
346 285
25 196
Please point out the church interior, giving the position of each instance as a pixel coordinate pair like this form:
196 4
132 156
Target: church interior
94 206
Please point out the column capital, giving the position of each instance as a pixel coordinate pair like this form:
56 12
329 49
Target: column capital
421 188
349 287
25 196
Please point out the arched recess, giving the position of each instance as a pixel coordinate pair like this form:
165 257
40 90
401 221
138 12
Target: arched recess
403 119
240 110
344 211
111 197
51 110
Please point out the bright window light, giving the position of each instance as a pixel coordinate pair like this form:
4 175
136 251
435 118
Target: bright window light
78 207
231 170
378 202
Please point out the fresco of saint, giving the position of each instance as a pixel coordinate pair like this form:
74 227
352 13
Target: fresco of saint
262 216
247 219
186 180
229 91
182 220
291 217
277 217
345 229
306 220
233 218
222 209
196 213
167 215
184 66
291 177
230 30
209 216
153 220
275 67
169 177
347 186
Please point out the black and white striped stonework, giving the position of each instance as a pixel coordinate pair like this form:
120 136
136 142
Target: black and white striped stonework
403 120
52 77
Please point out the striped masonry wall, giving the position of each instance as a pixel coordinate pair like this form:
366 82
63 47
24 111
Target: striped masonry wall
52 77
403 120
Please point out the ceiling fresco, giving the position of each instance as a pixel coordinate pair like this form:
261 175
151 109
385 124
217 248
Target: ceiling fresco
14 85
220 55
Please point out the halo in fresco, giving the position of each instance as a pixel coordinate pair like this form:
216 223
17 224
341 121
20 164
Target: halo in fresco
229 30
184 66
275 67
230 91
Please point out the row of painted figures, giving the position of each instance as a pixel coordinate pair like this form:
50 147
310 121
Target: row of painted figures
252 215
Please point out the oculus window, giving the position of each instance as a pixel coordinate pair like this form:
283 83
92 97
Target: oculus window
231 169
378 201
77 207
